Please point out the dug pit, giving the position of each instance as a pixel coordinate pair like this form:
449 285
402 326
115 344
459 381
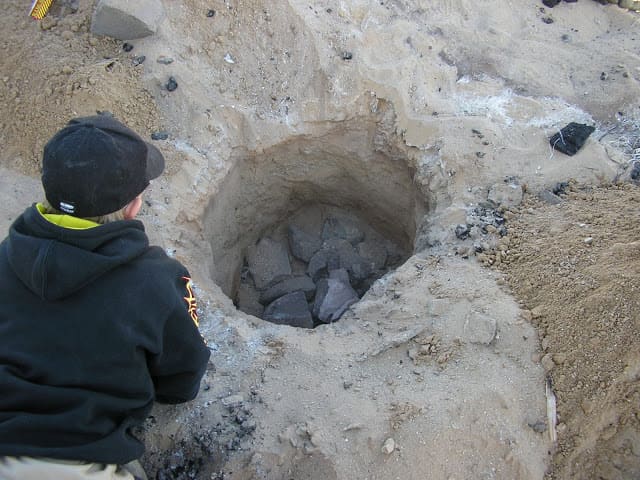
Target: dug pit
300 232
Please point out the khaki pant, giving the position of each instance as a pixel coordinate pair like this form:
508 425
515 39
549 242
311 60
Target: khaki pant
28 468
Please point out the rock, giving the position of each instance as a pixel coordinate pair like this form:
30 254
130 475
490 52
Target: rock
171 84
480 328
346 55
333 297
342 227
549 197
127 47
630 4
300 283
248 300
291 309
320 261
211 13
388 446
127 20
505 194
268 262
571 138
635 171
159 135
374 253
233 400
303 245
462 231
164 60
139 60
358 268
547 362
550 3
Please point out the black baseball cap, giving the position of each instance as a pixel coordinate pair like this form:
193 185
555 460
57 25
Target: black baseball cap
96 165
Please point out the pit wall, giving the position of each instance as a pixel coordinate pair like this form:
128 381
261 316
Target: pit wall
348 167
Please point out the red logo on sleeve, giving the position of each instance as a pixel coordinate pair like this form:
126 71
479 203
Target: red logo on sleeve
191 301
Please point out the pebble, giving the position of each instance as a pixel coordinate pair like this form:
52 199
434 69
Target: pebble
547 362
127 47
171 84
138 60
67 70
588 240
389 446
159 135
93 41
229 59
67 35
346 55
211 13
164 60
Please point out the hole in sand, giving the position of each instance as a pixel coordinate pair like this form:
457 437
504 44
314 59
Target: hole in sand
300 232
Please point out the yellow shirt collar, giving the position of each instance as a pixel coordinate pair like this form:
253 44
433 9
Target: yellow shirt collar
66 221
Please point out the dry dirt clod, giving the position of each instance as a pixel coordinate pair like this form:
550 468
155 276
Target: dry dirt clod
389 446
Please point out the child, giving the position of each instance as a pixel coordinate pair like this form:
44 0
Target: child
94 323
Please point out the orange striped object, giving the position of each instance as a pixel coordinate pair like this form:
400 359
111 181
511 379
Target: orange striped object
39 8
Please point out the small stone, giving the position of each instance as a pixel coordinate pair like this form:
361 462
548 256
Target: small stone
539 427
559 358
229 59
67 35
164 60
388 446
233 400
211 13
462 231
505 194
127 47
547 20
138 60
48 23
537 312
588 240
549 197
547 362
159 135
171 84
346 55
93 41
67 70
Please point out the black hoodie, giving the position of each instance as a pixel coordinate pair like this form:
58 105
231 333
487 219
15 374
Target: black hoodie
94 325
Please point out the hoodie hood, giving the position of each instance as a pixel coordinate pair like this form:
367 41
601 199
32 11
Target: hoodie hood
55 261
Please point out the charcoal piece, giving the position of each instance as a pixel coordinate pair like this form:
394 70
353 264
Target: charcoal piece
294 284
333 297
303 245
571 138
550 3
291 309
268 262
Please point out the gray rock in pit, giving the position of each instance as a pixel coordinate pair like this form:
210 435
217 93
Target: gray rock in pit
374 253
126 20
341 227
268 262
294 284
334 296
303 245
291 309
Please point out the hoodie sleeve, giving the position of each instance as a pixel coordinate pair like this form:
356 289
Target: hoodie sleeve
179 366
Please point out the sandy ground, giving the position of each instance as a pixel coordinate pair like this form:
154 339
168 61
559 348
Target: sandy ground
419 117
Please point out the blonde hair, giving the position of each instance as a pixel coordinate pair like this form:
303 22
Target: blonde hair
102 219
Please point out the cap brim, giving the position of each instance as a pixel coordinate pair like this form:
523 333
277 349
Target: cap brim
155 162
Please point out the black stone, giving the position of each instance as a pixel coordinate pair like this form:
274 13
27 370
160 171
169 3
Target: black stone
127 47
171 84
211 13
560 188
462 231
550 3
159 135
347 55
291 309
635 171
571 138
547 20
138 60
